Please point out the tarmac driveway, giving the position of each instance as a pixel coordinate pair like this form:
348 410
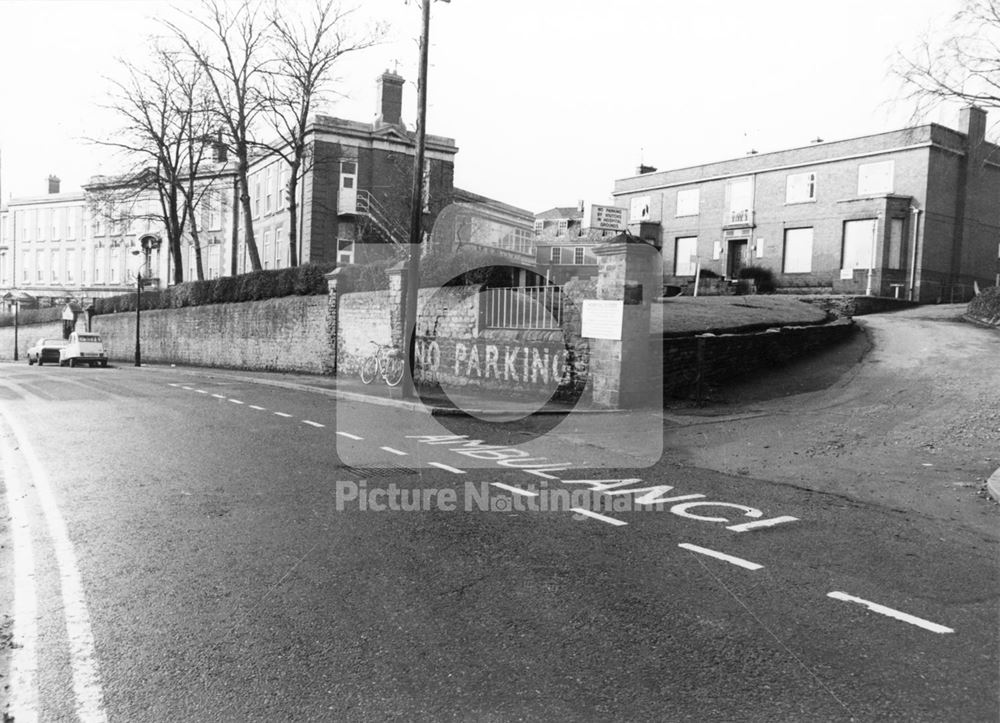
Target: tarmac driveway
913 425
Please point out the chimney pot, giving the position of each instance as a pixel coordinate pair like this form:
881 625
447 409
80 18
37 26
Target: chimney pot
53 184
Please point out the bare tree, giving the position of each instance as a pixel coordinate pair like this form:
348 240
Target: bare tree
234 63
964 67
161 135
305 50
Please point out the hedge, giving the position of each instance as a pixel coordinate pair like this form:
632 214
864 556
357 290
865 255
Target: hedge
305 280
34 316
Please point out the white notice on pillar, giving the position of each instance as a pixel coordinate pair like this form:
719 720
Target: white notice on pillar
602 319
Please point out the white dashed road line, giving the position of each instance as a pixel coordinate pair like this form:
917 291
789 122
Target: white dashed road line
236 401
219 396
394 451
515 490
201 391
882 609
350 436
282 414
259 409
312 424
446 468
738 561
596 516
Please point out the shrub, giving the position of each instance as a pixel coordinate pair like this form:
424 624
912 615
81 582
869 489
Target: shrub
763 278
708 274
986 305
307 279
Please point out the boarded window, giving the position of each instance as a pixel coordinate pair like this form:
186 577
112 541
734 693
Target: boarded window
685 255
687 202
875 178
859 237
798 250
800 188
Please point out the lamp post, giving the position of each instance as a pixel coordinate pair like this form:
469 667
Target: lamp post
148 242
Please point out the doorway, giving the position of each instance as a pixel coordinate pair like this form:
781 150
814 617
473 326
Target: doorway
739 256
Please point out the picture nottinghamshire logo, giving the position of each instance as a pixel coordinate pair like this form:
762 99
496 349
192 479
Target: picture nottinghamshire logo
472 496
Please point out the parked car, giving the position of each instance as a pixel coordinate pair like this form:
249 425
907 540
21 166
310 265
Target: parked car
45 350
83 348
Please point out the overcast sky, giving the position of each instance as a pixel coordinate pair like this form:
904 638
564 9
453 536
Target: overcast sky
549 101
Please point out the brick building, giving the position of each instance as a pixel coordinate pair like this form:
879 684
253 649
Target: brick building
913 212
355 190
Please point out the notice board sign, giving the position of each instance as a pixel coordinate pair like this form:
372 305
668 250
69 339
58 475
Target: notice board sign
602 319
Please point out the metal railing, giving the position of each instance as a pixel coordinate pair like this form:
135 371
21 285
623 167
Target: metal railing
524 307
368 205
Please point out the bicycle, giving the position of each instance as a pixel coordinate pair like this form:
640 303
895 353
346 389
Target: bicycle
386 361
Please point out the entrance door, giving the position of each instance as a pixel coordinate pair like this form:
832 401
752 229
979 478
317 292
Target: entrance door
347 198
739 256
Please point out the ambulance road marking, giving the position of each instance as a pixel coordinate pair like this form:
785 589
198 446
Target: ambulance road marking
350 436
738 561
882 609
446 468
393 450
515 490
602 518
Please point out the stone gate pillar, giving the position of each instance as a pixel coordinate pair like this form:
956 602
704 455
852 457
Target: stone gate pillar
627 371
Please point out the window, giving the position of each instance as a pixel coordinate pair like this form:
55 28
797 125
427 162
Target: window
280 249
283 179
685 255
539 226
800 188
256 196
74 218
268 189
875 178
116 262
687 202
555 255
267 250
54 265
39 272
562 226
638 209
578 255
3 268
739 194
345 251
896 243
99 261
70 265
214 211
859 237
798 250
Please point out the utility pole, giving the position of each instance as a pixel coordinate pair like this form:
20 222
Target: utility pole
416 211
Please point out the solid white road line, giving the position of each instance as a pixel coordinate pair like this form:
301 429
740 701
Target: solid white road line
394 451
721 556
602 518
905 617
259 409
515 490
312 424
236 401
538 473
282 414
446 468
83 658
24 633
350 436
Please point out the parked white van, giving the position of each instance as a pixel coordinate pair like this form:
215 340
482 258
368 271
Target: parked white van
83 348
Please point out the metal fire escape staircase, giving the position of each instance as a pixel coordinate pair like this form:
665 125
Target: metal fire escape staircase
376 214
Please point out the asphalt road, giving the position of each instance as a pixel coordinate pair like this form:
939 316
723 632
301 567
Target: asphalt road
186 546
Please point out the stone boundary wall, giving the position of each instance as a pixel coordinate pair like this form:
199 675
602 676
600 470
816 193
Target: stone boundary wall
285 334
850 306
27 334
690 363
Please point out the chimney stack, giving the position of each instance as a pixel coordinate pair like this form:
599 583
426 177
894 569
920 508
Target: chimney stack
972 122
390 100
53 184
643 168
